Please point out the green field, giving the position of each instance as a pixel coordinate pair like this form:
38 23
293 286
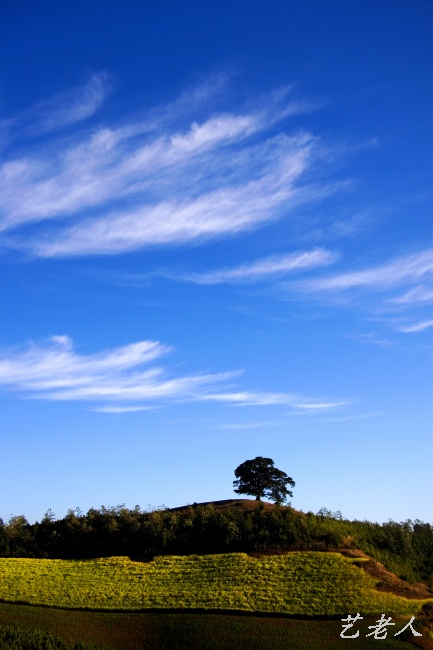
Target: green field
182 631
299 583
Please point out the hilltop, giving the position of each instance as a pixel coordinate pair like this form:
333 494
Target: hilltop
230 555
387 581
225 526
244 504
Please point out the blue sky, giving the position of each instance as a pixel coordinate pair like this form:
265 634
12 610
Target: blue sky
216 243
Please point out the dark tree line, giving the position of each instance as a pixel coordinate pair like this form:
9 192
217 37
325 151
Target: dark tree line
405 548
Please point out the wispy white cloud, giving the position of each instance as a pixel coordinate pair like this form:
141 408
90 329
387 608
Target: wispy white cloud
418 296
100 170
248 398
63 109
121 380
349 418
72 106
213 214
405 283
261 269
417 327
373 339
402 271
56 372
121 409
155 182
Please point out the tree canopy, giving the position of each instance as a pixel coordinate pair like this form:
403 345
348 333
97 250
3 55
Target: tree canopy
260 478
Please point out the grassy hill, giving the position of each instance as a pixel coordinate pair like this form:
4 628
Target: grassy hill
316 585
297 583
238 525
283 565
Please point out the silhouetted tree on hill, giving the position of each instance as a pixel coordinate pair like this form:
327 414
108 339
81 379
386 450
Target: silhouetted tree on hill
260 478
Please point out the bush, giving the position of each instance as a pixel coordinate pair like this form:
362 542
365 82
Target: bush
405 548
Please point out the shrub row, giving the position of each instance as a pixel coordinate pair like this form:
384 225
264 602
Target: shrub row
405 548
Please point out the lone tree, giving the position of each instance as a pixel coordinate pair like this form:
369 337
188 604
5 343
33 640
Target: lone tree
260 478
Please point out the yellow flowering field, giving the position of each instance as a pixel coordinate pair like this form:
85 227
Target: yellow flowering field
307 583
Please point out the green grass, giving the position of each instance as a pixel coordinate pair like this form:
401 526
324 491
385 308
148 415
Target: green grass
300 583
185 631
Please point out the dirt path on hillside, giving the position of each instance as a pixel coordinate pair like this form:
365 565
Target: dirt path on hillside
388 581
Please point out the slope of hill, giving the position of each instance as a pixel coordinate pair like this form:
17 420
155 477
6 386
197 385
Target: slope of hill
247 505
296 583
232 525
283 573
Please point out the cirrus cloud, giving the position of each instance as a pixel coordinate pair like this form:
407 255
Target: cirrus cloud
262 269
156 182
402 286
125 379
